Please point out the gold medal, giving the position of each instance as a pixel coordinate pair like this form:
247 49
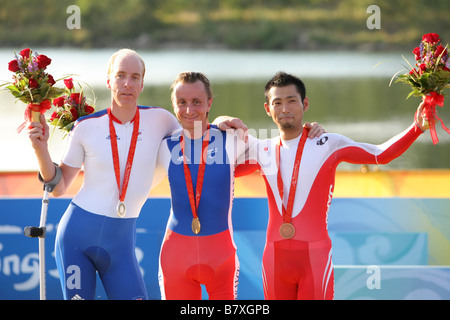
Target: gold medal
121 209
194 199
195 225
287 230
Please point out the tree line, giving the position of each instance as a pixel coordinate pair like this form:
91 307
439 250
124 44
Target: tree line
231 24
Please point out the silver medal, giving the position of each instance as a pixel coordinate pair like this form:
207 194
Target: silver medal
121 209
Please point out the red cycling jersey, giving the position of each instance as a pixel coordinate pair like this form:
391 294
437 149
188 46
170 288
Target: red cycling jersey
301 267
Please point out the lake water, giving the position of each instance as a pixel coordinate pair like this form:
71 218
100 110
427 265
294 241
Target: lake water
349 94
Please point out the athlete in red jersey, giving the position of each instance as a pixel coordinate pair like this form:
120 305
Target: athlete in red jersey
299 176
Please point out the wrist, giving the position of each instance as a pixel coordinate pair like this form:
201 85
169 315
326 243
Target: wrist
50 185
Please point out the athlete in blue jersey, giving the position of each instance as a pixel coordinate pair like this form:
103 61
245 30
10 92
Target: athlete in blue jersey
218 176
198 246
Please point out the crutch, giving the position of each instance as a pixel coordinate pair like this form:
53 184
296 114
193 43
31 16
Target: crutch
40 232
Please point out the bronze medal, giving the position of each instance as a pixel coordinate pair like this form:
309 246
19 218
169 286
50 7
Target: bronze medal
195 225
287 230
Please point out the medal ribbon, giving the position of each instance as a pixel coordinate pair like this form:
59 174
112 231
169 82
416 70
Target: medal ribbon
115 153
287 212
194 201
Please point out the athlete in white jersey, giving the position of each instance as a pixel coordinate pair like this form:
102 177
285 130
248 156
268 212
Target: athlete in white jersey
91 235
90 146
117 148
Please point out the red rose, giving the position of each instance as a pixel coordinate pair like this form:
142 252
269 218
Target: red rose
68 82
440 49
13 66
58 102
430 38
88 109
25 53
76 97
423 68
43 61
416 51
54 116
51 80
33 84
74 113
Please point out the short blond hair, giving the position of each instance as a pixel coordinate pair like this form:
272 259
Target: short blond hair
124 51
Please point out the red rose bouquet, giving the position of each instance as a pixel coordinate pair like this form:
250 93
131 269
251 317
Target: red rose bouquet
32 84
429 77
69 107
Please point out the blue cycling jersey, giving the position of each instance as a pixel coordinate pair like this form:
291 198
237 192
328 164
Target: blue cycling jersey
217 192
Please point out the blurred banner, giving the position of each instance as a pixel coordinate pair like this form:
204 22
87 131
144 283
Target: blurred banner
406 239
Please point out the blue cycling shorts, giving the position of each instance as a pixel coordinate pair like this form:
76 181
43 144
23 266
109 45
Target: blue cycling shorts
87 243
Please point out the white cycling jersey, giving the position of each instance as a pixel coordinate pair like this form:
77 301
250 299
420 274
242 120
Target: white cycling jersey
90 146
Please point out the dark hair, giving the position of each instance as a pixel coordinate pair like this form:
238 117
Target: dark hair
282 79
192 77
